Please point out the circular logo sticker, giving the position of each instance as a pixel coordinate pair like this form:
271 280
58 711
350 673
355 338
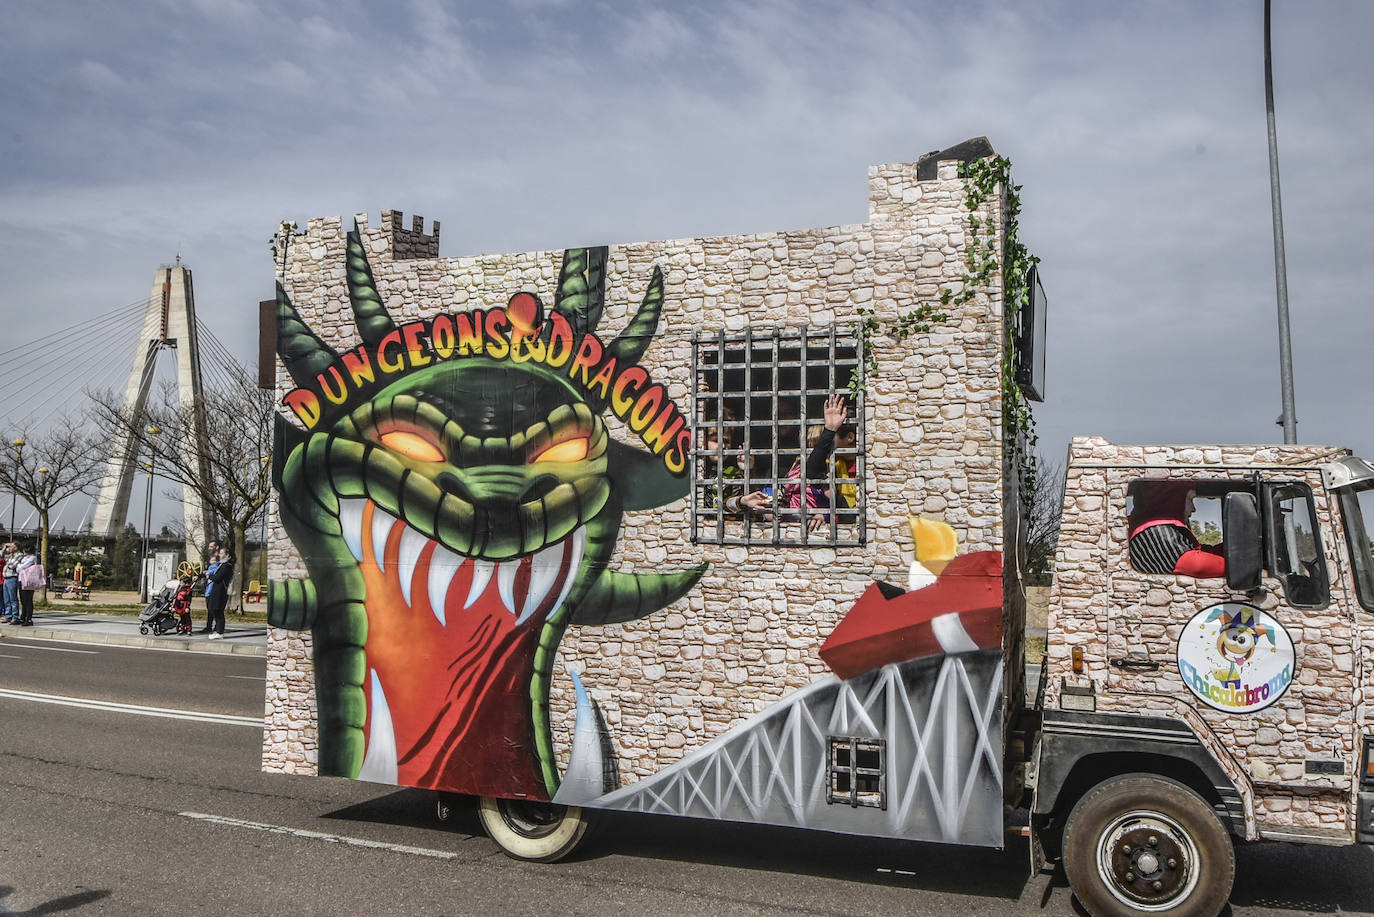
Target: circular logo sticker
1235 657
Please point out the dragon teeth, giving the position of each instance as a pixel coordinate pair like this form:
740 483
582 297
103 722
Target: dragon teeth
481 575
578 539
443 566
505 582
351 525
379 761
382 522
544 569
412 544
546 573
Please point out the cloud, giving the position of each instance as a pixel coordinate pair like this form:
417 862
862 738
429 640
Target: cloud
1137 130
98 77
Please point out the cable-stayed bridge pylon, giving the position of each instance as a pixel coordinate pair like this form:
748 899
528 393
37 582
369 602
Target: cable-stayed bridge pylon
169 323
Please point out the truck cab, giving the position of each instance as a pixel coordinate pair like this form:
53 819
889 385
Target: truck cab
1208 656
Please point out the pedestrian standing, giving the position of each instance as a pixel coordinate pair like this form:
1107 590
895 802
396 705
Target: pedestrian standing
10 555
31 577
211 558
217 592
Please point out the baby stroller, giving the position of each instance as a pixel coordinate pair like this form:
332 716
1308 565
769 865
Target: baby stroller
158 616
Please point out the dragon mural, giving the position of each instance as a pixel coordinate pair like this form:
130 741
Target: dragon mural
456 495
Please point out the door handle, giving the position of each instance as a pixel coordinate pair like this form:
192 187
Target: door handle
1135 662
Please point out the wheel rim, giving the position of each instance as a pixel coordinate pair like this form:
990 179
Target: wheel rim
1147 860
531 819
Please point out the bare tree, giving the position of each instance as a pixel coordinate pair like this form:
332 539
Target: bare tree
1042 532
231 472
46 468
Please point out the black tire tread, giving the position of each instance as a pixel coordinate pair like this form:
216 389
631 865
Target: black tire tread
1098 806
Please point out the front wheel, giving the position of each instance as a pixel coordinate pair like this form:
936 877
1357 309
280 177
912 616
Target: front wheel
538 831
1147 845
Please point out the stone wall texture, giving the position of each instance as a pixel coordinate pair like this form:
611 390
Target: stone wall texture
749 633
1100 604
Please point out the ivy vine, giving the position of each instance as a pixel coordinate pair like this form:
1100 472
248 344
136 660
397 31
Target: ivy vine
984 258
281 241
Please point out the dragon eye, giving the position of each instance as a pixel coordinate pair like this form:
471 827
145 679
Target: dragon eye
571 450
412 445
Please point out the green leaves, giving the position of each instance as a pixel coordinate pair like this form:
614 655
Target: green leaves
281 240
983 176
983 262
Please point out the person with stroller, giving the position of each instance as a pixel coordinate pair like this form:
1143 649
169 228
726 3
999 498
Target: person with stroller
161 615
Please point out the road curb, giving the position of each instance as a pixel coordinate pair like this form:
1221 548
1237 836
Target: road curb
199 644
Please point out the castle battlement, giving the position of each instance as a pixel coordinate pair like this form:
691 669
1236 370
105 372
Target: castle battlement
405 244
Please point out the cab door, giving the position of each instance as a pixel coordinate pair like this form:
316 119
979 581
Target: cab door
1269 671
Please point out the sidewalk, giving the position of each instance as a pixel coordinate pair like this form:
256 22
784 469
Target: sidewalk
246 639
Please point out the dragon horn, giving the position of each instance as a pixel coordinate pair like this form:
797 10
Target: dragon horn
368 312
582 287
303 354
631 343
617 597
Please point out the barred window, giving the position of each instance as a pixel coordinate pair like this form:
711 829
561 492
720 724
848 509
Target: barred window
858 772
758 413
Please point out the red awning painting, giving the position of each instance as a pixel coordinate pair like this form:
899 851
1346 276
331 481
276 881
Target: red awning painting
960 612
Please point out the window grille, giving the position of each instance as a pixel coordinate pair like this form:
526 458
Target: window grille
756 393
858 772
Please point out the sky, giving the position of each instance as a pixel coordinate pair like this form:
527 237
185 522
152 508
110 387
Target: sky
139 131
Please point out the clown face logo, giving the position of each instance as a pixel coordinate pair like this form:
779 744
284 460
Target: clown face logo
1235 658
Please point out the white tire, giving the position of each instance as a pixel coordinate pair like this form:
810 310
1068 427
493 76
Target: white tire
537 831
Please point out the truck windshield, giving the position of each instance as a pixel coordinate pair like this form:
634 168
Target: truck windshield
1357 504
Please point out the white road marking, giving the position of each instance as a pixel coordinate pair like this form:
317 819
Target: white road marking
53 649
248 677
223 719
321 836
8 656
186 646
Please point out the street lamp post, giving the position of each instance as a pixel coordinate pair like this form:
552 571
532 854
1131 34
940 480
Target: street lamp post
18 445
145 585
147 520
43 535
1289 418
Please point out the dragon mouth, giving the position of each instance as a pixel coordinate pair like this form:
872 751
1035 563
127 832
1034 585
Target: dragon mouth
527 587
450 639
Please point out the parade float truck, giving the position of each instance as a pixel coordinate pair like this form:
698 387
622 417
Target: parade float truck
549 531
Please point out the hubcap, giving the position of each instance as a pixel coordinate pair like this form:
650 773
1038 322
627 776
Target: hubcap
531 819
1147 860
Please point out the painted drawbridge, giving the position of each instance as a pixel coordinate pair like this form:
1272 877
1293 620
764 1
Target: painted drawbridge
910 750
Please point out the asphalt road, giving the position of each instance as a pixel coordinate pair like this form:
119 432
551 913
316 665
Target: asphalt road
107 811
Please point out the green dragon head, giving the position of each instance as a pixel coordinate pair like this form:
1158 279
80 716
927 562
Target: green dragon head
455 516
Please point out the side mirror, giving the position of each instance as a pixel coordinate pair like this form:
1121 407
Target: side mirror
1242 542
